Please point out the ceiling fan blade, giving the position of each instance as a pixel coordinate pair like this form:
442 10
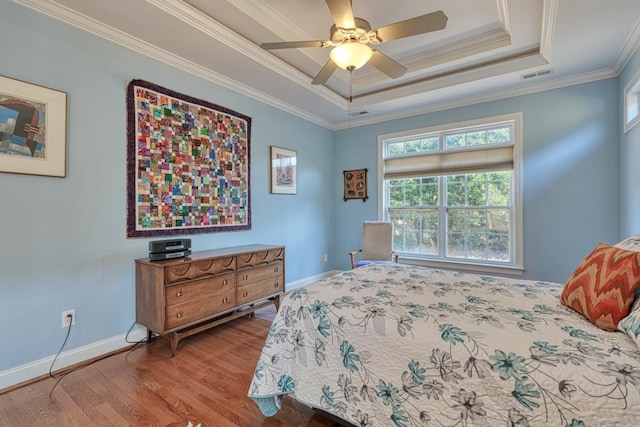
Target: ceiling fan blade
325 73
342 13
292 45
387 65
419 25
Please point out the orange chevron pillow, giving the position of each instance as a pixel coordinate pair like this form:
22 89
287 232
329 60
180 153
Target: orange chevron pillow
602 287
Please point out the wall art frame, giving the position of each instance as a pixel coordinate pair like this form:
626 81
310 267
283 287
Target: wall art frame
283 170
188 165
33 129
355 184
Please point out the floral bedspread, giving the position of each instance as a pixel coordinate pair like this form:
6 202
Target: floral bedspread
398 345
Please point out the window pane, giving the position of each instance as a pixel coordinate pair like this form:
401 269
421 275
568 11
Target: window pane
412 192
476 221
395 148
455 194
455 220
455 245
476 138
454 141
396 195
499 192
498 247
412 146
477 193
430 144
430 195
429 243
476 246
498 136
499 221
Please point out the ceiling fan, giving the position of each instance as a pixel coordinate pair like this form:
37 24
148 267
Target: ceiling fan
350 38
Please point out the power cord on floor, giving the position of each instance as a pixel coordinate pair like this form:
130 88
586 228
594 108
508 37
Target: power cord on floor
59 376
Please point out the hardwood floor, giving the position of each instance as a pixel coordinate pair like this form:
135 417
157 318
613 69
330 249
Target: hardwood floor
206 382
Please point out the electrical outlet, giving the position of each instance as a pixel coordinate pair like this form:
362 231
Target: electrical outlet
324 258
66 322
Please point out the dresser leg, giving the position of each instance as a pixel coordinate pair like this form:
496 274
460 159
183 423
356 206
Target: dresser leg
174 343
150 335
276 302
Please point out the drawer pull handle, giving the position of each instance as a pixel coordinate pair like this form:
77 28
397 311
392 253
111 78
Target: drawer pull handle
178 293
275 285
276 269
245 277
225 300
179 315
245 294
225 282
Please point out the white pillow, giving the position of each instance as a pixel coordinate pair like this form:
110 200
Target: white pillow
631 244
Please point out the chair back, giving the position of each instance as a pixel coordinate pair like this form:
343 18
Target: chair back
377 240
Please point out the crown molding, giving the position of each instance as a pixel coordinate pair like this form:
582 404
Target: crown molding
549 15
90 25
630 46
209 26
260 11
484 42
493 95
503 15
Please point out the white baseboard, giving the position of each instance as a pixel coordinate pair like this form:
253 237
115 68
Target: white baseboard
29 371
309 280
74 356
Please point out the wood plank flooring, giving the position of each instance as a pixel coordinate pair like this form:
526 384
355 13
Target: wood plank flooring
206 382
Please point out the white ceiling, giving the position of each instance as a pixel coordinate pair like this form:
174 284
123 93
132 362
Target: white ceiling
482 54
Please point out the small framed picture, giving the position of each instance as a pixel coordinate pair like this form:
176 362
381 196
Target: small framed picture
283 170
355 184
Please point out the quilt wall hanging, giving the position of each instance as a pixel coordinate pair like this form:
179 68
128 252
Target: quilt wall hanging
187 164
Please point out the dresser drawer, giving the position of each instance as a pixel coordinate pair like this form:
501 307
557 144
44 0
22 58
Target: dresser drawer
209 304
192 291
254 291
198 269
274 269
259 257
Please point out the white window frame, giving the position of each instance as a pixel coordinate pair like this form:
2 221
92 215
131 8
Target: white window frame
516 267
632 102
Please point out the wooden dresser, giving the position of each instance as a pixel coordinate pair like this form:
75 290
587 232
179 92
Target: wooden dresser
181 297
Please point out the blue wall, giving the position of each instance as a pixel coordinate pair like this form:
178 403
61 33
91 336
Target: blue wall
62 241
570 173
629 161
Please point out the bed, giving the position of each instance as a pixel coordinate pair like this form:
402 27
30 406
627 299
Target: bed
400 345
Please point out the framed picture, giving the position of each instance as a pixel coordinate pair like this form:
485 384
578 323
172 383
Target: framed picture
283 171
355 184
187 164
33 129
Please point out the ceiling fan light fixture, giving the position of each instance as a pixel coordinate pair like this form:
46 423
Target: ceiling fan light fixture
351 55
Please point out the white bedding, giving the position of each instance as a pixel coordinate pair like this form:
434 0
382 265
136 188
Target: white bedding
397 345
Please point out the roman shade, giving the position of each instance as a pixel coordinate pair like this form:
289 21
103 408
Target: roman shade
458 162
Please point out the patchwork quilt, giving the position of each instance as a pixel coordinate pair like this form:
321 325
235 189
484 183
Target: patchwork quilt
399 345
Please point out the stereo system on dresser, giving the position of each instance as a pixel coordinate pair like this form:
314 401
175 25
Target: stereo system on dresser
169 249
183 296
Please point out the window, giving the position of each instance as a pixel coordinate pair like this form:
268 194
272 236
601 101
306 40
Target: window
453 193
632 103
